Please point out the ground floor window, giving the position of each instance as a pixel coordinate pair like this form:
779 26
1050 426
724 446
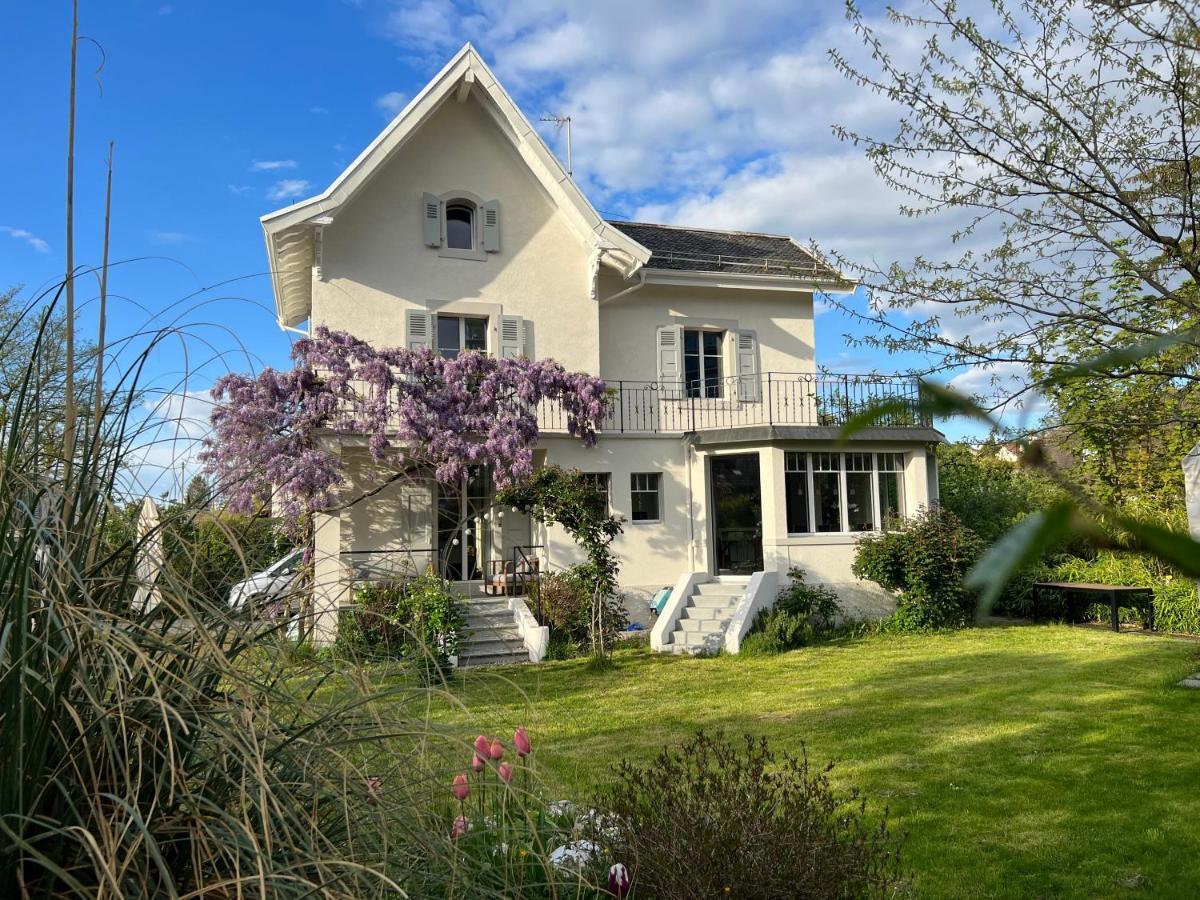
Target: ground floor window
842 492
601 481
645 489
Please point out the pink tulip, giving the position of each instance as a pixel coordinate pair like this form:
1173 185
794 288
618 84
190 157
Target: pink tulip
496 750
478 763
521 742
618 880
460 826
505 772
481 746
374 788
459 787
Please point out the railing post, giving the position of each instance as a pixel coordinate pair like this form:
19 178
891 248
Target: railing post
770 411
621 405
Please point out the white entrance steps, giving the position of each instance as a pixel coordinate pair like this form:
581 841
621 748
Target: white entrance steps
707 613
491 636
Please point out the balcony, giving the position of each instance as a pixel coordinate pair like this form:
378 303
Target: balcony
772 399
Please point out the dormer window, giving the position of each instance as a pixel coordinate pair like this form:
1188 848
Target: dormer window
460 225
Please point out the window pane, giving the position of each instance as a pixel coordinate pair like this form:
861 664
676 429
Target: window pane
860 506
475 334
460 227
712 343
826 501
448 336
796 493
644 495
599 480
691 341
891 497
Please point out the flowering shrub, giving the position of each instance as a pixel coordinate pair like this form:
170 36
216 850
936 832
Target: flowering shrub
509 841
713 820
417 409
417 618
564 600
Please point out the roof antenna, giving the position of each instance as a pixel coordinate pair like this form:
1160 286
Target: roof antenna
560 121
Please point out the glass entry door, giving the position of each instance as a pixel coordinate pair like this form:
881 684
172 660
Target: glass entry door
464 532
737 514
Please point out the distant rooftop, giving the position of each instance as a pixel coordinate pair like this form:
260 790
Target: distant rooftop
735 252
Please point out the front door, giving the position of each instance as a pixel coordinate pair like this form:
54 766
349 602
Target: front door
737 514
464 532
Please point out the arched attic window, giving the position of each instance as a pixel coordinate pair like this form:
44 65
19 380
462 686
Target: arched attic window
460 225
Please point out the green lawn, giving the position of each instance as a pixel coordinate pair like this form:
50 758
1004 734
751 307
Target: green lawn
1020 761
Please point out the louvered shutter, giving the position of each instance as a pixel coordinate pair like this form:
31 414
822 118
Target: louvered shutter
512 337
749 377
491 226
418 328
670 363
431 220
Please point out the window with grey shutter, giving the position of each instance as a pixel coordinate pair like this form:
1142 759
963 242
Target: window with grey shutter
669 339
431 219
491 226
418 328
749 376
512 337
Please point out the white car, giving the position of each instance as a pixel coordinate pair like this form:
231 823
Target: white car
268 584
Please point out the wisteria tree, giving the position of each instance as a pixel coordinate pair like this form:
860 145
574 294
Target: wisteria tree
417 410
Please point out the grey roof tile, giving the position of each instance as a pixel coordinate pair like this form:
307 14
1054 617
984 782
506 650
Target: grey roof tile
741 252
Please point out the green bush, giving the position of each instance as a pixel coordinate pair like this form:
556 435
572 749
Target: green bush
924 562
565 603
415 618
215 551
713 819
801 612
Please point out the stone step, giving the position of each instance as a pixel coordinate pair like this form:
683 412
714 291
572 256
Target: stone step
485 606
691 642
489 620
702 626
712 601
490 641
707 612
716 589
473 660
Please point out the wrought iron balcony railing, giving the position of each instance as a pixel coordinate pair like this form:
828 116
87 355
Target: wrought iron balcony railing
771 398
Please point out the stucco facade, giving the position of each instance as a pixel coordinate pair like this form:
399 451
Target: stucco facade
533 270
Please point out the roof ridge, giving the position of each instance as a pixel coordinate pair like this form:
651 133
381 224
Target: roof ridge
769 234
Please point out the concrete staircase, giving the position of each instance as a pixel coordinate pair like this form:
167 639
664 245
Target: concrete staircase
491 637
709 609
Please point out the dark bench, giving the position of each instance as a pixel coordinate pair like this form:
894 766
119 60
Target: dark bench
1115 595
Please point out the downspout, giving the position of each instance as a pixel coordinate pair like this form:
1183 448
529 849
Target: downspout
293 330
690 452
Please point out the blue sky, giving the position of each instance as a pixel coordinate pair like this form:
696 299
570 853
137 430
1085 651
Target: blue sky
712 114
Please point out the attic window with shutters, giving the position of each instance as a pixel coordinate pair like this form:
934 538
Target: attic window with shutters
461 225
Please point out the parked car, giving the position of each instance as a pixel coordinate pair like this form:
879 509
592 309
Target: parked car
269 584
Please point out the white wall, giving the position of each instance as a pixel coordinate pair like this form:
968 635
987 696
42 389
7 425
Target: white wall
375 263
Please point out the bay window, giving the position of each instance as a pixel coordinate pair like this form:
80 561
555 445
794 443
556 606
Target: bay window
828 492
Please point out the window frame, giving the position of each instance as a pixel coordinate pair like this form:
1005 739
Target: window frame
603 483
898 458
657 491
722 336
462 333
475 205
472 212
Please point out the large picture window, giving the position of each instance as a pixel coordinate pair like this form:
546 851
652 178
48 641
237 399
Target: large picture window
702 362
842 492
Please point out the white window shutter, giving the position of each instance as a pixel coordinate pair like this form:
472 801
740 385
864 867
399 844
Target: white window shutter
749 377
431 219
670 361
512 337
491 226
418 328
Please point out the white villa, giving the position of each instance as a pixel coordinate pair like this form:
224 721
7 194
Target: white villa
458 229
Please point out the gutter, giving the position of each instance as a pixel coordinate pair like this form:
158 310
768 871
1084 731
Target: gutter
641 283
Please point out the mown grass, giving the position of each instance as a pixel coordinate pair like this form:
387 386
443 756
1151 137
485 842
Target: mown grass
1020 761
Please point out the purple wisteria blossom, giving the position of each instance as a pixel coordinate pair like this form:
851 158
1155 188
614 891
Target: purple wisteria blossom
416 408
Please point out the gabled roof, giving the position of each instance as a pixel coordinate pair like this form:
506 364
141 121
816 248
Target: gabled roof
291 232
732 252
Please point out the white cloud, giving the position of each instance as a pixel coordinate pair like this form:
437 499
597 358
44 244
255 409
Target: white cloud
241 190
166 9
318 110
272 165
391 103
287 188
28 237
163 451
170 237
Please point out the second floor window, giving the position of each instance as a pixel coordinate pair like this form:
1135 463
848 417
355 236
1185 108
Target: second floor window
702 376
458 333
460 226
